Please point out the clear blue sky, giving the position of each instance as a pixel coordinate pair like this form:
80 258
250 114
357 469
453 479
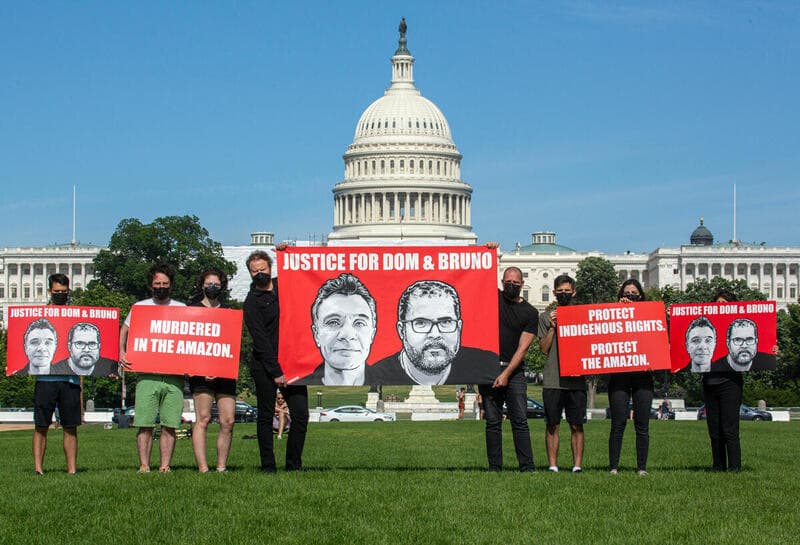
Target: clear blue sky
615 124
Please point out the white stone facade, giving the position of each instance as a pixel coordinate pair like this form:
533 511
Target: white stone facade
769 269
402 175
24 271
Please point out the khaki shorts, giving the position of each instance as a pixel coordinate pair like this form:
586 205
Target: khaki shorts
158 395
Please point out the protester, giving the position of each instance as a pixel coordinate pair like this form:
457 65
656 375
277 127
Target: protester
156 395
281 421
460 394
56 393
518 322
567 394
212 285
624 387
722 393
261 313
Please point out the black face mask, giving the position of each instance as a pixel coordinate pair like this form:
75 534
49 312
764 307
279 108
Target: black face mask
261 280
564 299
60 298
161 294
511 291
632 297
212 292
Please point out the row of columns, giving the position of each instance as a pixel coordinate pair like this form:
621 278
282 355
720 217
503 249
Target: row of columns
19 280
393 166
389 207
759 278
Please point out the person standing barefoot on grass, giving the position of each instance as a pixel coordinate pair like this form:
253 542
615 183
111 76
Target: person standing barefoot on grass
212 285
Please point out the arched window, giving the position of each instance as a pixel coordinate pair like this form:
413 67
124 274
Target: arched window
383 166
411 165
402 165
391 166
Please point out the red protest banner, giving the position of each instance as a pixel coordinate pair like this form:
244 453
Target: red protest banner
737 336
63 340
176 340
399 315
612 338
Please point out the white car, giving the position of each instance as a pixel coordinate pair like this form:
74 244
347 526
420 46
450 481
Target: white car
354 413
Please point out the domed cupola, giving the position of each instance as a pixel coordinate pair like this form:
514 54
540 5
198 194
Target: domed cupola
701 236
402 177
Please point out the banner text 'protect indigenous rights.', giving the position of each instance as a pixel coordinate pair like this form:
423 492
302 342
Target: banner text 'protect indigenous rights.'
176 340
612 338
388 315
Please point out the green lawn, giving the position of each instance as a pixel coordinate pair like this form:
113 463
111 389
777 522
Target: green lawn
406 482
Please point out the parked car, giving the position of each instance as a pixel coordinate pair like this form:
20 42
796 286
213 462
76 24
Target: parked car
745 413
533 410
244 412
354 413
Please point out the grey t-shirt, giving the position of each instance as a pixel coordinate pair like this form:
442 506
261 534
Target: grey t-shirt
552 378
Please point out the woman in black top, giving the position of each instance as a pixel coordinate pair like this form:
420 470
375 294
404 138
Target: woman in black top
722 393
211 287
622 387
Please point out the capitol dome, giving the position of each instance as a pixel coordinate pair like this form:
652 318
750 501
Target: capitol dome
701 236
402 177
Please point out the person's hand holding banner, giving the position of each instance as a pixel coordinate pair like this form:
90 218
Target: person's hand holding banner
612 338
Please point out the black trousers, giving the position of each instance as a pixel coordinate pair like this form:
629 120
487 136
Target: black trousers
515 397
722 412
297 400
622 387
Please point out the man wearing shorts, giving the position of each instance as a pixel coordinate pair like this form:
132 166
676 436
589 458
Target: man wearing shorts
566 394
155 394
56 392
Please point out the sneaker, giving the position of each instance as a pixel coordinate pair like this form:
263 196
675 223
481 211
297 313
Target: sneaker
222 470
614 471
642 473
39 473
577 469
554 469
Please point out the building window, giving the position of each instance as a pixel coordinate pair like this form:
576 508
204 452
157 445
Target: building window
2 292
524 275
402 165
411 165
26 292
545 294
391 166
13 292
792 293
779 292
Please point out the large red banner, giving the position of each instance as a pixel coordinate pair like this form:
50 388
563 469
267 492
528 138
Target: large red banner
612 338
63 340
174 340
736 336
399 315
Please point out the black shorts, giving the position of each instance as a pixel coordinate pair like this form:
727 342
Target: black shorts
572 402
215 387
48 395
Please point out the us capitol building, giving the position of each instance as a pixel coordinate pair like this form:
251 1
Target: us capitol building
402 185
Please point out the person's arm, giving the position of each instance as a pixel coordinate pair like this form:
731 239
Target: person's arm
547 331
525 341
264 353
123 343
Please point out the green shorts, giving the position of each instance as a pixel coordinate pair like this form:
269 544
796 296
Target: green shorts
158 395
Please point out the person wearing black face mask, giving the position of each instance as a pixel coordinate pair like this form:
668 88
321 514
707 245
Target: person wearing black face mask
261 315
518 321
624 387
156 394
56 391
212 284
567 394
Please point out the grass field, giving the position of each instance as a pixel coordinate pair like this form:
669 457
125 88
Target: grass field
406 483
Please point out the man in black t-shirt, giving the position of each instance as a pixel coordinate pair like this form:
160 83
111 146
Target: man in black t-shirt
518 326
